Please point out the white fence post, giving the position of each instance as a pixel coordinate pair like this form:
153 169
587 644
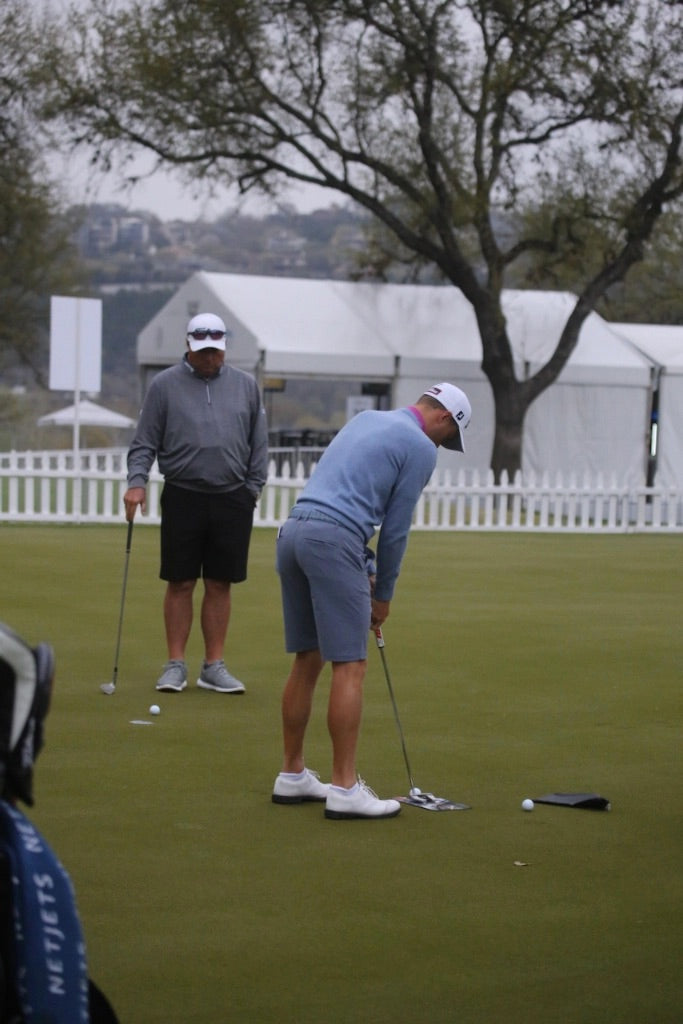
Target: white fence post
41 487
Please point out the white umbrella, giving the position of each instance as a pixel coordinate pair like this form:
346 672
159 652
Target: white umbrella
88 414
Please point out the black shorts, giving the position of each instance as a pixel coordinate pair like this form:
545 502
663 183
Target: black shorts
205 534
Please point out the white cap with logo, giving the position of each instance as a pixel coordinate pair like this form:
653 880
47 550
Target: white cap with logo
458 405
206 330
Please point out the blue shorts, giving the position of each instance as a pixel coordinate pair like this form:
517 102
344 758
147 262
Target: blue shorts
325 588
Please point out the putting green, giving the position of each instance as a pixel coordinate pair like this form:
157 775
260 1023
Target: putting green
521 665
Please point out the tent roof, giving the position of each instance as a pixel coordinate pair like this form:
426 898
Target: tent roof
662 343
89 415
536 320
297 320
406 319
346 329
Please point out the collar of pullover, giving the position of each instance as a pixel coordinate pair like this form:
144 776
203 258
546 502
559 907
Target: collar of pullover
186 364
418 416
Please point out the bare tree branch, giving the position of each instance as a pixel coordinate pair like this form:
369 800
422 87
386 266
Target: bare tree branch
443 119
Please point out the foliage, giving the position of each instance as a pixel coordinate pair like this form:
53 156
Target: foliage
435 117
36 256
653 291
124 314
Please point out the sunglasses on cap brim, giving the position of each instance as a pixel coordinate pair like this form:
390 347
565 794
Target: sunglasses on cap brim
204 332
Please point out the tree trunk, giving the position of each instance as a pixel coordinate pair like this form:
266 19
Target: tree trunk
511 396
511 405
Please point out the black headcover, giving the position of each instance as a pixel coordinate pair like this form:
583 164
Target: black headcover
26 675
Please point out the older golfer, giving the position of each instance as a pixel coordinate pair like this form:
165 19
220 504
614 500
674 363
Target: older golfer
371 475
205 422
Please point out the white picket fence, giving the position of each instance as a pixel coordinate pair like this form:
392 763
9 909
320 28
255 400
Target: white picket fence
45 487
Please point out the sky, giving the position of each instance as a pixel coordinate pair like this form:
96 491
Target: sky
165 196
162 194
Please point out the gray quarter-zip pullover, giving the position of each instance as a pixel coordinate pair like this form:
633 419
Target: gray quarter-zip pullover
206 434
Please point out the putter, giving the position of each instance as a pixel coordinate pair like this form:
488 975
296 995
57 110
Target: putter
110 688
416 797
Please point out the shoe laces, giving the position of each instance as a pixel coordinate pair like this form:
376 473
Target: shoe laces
174 663
368 789
216 666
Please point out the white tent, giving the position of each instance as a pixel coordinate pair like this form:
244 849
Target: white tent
595 418
89 415
663 346
278 327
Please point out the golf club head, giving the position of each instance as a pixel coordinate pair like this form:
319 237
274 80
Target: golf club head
108 688
429 802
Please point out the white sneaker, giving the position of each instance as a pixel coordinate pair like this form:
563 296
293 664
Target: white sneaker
359 802
292 790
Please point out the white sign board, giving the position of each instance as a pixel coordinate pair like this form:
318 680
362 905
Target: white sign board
358 403
75 344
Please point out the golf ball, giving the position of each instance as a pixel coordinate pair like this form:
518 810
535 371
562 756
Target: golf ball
155 709
527 805
415 791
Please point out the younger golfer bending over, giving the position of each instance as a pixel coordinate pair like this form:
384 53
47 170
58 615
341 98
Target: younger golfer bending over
371 475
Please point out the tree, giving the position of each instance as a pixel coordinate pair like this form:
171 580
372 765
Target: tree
444 119
36 255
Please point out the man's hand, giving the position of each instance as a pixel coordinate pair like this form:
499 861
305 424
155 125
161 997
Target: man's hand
133 497
379 613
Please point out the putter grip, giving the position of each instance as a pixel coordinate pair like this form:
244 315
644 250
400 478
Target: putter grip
379 637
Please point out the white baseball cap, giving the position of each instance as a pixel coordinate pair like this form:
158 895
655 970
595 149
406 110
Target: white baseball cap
206 330
458 405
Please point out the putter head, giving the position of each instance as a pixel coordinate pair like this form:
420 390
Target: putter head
429 802
108 688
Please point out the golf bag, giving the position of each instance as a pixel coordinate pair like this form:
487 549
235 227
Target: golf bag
43 970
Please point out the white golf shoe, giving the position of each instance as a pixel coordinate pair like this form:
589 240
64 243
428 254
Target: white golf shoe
293 789
359 802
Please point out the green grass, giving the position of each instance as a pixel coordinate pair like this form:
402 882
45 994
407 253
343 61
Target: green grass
522 664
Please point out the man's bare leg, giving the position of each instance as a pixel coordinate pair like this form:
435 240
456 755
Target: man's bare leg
178 617
215 618
343 719
297 702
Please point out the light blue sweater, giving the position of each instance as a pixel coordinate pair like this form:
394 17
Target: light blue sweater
372 475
